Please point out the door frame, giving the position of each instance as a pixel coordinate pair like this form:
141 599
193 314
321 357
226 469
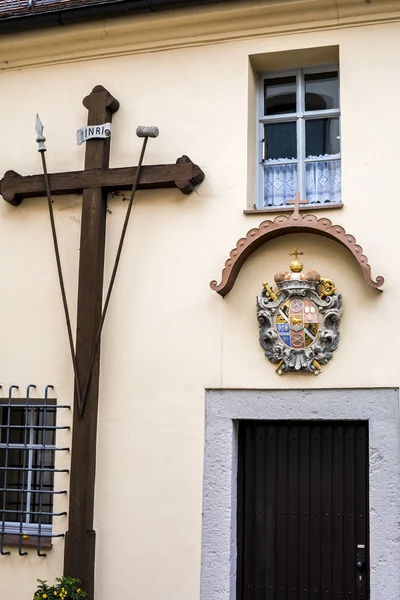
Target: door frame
224 408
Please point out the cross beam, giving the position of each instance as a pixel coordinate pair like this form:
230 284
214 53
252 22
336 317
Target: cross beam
184 175
94 183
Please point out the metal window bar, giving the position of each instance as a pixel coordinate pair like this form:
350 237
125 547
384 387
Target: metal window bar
12 4
27 467
38 469
31 6
52 492
2 552
33 427
32 512
41 474
24 455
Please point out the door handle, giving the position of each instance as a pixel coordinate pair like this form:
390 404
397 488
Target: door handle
361 556
361 560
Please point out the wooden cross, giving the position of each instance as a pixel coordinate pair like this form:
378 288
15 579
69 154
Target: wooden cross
94 182
296 203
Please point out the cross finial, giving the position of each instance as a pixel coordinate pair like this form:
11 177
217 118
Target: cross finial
296 266
296 202
296 254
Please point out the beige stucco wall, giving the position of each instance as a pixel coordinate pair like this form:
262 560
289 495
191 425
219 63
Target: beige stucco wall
168 337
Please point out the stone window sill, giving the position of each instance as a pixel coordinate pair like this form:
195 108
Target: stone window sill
303 208
30 542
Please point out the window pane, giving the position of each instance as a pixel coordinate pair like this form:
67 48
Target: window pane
322 137
323 182
322 91
12 507
280 95
16 418
43 417
13 479
280 141
280 184
45 517
42 482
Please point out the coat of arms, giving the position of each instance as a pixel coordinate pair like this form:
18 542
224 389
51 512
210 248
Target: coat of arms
299 323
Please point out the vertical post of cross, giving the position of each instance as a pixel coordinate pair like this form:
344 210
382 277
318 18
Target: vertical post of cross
79 558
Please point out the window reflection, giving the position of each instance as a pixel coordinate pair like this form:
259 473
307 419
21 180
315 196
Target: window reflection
280 96
322 91
322 137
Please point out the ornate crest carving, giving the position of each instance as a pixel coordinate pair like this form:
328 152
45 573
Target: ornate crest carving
299 323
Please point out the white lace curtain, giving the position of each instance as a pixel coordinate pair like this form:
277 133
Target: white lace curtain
323 182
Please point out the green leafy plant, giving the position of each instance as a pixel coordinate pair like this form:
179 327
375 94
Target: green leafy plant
66 588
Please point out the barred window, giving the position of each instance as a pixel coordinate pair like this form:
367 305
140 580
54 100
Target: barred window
27 466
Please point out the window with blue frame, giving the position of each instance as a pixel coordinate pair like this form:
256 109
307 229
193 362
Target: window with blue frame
299 137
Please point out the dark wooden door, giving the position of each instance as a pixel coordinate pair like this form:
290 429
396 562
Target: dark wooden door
303 516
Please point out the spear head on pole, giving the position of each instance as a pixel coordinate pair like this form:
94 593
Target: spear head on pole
39 133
